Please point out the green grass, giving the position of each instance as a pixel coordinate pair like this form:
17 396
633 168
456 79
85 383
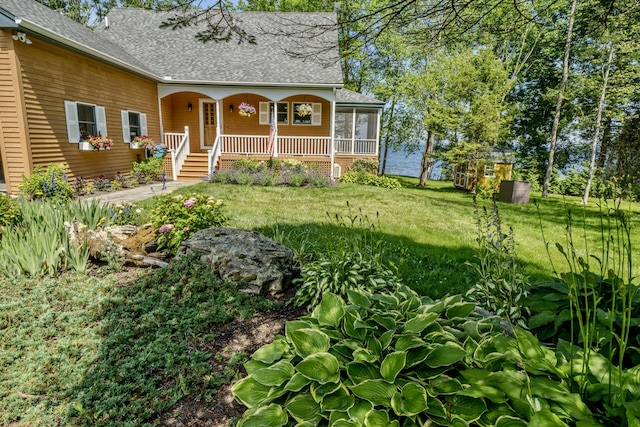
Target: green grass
84 350
428 232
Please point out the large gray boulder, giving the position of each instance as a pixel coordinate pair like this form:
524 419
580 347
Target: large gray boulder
243 256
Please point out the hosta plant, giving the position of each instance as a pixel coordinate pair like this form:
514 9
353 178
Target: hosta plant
403 360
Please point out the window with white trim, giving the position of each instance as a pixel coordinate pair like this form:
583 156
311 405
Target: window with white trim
490 171
282 112
301 117
84 120
134 124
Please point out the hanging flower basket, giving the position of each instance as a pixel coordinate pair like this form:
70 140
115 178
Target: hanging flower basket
246 110
96 143
304 110
142 142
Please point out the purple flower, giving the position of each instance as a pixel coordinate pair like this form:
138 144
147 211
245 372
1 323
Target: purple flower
164 180
165 228
189 202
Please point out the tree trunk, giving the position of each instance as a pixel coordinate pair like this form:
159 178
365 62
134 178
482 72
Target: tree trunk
425 164
596 134
386 138
563 87
606 142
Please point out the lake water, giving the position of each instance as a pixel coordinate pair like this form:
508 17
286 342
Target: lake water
401 163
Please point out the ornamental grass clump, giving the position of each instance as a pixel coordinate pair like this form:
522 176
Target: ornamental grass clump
177 217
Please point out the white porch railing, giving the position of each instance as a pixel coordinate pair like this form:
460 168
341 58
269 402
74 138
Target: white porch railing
356 146
245 144
213 155
304 145
178 145
287 145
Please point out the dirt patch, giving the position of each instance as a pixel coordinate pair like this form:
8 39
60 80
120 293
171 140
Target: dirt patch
246 335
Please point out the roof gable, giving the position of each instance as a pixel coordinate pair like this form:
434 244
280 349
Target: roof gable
179 55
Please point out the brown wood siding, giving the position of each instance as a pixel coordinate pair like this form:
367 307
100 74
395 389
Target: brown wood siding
180 116
52 75
14 145
235 124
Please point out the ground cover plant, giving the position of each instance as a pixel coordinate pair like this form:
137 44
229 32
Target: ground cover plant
61 338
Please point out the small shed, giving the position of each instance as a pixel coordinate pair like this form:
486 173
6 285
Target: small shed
495 168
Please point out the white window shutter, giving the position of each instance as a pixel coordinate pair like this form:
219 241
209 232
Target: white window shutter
101 121
126 134
71 112
143 124
264 113
316 117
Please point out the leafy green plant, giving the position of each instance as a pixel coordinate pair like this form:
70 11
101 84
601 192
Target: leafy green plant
365 178
39 243
592 314
47 183
501 286
122 213
150 353
150 168
9 211
290 173
364 165
177 217
403 360
101 183
338 274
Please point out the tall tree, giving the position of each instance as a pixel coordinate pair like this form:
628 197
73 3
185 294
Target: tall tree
561 90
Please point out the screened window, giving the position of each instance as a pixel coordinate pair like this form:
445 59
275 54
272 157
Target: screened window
344 124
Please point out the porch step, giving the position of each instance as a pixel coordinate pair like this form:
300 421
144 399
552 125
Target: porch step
194 167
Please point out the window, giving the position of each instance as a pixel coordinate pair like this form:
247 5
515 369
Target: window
133 124
282 113
87 121
84 120
315 118
490 171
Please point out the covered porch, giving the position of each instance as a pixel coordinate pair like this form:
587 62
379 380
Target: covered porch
312 126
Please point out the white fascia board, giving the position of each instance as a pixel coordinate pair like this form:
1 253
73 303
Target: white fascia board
48 34
254 84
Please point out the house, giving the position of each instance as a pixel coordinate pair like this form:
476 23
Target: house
61 82
495 168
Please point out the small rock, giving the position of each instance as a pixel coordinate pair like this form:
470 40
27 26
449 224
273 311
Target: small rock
202 414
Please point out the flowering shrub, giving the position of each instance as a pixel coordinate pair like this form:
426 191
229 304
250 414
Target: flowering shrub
246 110
99 142
101 183
178 217
304 110
9 211
47 183
124 213
143 141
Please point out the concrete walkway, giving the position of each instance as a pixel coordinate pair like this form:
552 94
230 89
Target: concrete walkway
136 194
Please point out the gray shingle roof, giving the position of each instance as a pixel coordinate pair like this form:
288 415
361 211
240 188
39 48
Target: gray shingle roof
178 54
66 29
349 97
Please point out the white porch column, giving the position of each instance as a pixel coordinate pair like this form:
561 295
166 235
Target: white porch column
332 134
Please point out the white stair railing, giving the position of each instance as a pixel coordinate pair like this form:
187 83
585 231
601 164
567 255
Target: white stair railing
178 145
213 155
